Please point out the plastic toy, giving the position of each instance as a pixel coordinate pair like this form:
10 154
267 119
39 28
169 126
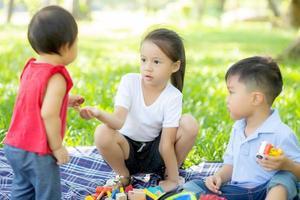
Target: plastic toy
152 193
137 194
121 196
180 196
89 197
100 192
268 149
211 197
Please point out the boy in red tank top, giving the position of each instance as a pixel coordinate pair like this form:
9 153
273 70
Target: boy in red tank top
33 144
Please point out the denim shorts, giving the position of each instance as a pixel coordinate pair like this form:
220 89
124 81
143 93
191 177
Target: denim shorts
35 176
234 192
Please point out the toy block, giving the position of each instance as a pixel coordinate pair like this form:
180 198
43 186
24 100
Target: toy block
128 188
153 193
211 197
114 193
121 196
136 194
89 197
102 191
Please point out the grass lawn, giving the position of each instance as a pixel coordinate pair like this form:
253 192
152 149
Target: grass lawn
103 59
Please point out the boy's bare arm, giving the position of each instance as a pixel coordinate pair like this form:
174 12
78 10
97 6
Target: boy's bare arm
294 168
225 172
214 182
51 109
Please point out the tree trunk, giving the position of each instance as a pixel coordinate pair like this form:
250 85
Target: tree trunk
274 7
73 7
294 13
199 8
9 11
293 51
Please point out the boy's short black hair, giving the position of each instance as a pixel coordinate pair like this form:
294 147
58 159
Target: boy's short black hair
259 73
50 29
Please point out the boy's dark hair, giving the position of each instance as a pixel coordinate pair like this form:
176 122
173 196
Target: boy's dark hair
50 29
260 73
171 44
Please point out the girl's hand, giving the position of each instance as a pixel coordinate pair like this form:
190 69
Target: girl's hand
213 183
89 112
75 101
61 155
270 163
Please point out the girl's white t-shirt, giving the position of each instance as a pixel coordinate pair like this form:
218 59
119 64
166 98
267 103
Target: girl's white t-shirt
144 123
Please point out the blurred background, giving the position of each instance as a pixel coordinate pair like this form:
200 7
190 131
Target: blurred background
216 34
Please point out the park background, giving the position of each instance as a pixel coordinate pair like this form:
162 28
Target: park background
216 34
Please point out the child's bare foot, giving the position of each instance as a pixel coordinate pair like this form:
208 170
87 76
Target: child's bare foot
181 180
168 185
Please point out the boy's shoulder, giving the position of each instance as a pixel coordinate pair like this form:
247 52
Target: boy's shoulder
273 124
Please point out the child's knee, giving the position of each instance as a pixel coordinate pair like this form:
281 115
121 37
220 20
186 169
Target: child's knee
189 124
284 182
103 136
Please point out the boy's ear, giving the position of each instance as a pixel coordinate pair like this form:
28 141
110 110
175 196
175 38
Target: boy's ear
257 98
176 66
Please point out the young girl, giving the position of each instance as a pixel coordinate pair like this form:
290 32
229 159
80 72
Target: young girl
146 132
33 144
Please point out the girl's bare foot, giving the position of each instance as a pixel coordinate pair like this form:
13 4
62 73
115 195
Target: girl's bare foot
168 185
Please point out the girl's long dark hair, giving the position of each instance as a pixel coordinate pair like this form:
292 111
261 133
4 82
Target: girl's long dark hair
171 44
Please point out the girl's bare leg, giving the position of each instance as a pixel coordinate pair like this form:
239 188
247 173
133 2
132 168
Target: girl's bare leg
186 136
113 147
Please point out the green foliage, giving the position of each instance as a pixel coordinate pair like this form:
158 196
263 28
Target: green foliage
103 59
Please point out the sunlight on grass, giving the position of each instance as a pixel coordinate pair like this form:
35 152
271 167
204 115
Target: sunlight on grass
104 58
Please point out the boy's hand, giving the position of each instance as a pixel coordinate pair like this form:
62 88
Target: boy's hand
270 163
213 183
75 101
89 112
61 155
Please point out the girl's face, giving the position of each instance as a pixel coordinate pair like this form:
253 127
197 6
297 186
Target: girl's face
239 101
156 67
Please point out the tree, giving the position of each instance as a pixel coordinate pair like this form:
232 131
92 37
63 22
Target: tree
73 7
293 51
9 10
274 7
294 13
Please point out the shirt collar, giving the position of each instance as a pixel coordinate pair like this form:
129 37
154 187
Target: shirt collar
268 126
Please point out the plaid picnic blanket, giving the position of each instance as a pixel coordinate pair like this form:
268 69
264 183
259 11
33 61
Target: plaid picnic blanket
87 170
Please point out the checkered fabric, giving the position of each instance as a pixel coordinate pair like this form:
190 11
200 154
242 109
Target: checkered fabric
87 170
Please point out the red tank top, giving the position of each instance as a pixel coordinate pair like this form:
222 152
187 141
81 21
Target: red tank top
27 130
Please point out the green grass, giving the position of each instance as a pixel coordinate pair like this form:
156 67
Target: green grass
103 59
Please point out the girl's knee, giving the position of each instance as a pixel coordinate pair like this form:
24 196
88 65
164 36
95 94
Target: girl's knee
189 125
103 136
